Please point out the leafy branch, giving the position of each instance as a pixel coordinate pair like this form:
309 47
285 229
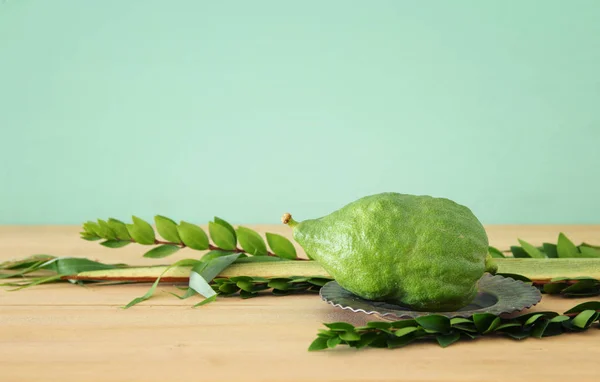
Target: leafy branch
201 275
259 268
279 286
288 277
225 237
563 249
447 331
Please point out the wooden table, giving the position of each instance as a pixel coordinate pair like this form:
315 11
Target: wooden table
69 333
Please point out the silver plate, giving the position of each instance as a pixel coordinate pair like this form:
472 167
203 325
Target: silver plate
496 295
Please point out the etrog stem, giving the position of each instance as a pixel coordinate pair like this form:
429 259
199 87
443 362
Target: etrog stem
287 219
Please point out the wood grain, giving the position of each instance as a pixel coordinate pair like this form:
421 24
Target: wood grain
69 333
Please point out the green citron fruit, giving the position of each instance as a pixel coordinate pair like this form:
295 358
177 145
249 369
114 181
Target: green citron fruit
419 251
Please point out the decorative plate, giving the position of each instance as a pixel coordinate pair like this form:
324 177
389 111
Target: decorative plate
496 295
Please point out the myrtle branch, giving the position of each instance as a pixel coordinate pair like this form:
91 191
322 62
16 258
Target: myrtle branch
225 238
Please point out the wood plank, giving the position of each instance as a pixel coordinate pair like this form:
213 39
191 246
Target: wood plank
261 339
69 333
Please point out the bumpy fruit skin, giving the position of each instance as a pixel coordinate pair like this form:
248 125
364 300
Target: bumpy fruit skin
424 252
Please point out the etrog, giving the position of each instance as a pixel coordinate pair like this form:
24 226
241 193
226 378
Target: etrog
419 251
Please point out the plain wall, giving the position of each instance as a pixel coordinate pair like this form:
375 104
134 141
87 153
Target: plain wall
248 109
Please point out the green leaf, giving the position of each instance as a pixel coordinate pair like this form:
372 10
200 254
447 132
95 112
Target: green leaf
235 279
539 328
340 326
141 231
333 342
483 321
214 254
589 293
531 250
228 288
566 248
277 292
581 287
593 305
189 292
102 230
225 224
590 245
434 323
471 336
281 246
367 338
326 333
32 268
589 252
281 284
198 283
560 319
295 279
350 335
221 236
180 263
406 330
26 262
251 242
206 301
319 281
494 252
73 265
318 344
404 323
507 325
115 243
108 232
446 340
161 251
583 278
89 236
554 288
585 319
167 228
495 323
519 252
525 317
396 342
193 236
88 228
533 319
554 329
94 228
34 282
459 320
248 286
119 228
379 324
245 294
217 265
550 250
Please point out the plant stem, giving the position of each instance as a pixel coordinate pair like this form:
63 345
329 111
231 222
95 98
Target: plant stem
176 274
539 271
213 248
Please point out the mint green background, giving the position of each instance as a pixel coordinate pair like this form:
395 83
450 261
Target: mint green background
247 109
